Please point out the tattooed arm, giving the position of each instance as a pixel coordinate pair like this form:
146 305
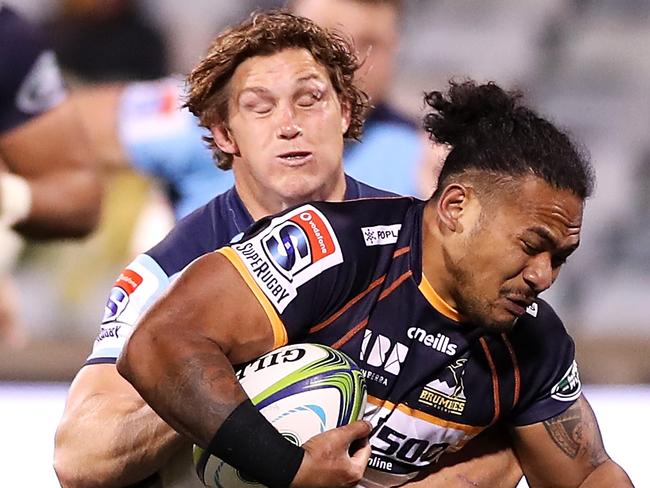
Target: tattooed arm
567 451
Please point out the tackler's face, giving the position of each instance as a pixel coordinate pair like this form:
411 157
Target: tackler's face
285 126
515 251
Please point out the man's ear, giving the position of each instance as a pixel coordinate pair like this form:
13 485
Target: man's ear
454 205
224 140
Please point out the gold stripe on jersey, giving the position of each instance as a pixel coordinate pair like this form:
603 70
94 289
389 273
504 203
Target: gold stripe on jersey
280 337
436 301
470 430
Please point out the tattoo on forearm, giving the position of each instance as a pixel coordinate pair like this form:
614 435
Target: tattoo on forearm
576 432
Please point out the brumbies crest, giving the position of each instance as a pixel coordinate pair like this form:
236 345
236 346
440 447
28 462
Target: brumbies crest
292 250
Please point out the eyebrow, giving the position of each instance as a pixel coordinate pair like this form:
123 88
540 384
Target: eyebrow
264 92
545 234
309 77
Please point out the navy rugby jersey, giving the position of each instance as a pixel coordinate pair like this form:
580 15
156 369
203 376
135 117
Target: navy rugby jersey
349 275
30 80
206 229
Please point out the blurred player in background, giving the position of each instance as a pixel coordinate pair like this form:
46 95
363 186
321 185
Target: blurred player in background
49 187
278 96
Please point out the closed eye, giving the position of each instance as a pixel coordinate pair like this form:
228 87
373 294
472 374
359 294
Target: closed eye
309 99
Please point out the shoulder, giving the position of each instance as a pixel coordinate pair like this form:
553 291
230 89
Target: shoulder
356 189
353 231
206 229
539 332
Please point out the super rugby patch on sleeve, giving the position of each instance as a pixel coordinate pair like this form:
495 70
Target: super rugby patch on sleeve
292 250
134 290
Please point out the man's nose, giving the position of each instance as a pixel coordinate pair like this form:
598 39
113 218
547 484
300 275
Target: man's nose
289 126
539 272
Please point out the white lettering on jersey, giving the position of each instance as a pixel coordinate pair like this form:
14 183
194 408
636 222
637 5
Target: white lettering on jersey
405 441
380 235
383 353
437 342
292 250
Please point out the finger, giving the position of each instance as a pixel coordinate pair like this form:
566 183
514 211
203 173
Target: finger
357 430
361 456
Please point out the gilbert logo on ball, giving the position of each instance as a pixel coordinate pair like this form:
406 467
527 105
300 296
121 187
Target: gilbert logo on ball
303 390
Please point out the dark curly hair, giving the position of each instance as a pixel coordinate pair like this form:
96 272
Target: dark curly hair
266 33
490 130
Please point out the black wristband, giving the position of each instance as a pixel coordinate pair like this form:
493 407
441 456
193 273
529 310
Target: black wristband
248 442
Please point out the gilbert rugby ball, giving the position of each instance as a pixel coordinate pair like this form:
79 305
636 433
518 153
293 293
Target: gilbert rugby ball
303 390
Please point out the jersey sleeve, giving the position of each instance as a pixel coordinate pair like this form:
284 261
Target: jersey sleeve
304 265
550 380
136 288
30 79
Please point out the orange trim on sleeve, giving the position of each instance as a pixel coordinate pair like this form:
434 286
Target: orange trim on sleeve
436 301
280 337
495 380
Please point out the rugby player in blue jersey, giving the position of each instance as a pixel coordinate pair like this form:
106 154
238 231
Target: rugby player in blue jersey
437 301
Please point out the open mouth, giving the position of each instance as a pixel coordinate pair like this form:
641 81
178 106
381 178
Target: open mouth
295 156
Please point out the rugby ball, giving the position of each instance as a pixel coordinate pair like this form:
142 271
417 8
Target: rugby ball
303 390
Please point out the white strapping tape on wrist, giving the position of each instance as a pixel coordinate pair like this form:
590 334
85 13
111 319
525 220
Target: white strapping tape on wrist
15 199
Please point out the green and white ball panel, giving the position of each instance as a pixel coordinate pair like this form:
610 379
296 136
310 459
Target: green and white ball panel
303 390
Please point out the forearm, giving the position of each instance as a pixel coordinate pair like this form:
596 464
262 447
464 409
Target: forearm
189 381
64 203
606 475
111 441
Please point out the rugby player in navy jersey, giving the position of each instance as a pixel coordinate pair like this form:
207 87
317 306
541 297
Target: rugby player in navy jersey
436 300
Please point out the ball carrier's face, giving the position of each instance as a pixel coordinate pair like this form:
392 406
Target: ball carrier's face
490 257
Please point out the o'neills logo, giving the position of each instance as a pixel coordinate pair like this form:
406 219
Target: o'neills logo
438 342
265 274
